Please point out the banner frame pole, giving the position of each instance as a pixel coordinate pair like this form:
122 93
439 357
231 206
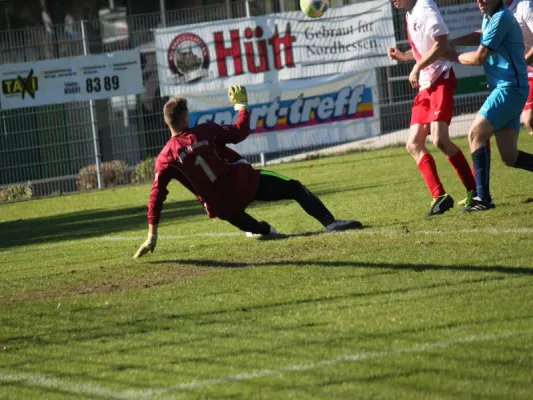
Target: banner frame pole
94 126
163 13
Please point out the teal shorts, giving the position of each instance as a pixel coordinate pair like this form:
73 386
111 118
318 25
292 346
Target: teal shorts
504 106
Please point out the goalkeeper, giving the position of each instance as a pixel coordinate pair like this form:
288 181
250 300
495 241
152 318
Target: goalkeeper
223 181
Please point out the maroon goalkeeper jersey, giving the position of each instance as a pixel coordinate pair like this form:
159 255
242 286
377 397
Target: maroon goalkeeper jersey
198 158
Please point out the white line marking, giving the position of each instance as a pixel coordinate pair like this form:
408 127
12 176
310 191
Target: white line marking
362 232
49 382
173 237
90 389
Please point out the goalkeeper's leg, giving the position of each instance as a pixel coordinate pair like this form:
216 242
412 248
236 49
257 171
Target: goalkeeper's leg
273 187
247 223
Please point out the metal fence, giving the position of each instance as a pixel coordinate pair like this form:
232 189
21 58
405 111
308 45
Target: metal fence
49 145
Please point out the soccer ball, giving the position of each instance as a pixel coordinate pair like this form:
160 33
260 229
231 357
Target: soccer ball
314 8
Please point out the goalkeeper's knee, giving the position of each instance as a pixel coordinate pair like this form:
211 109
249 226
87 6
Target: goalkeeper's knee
297 189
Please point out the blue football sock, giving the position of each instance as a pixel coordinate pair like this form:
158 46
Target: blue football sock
524 161
481 159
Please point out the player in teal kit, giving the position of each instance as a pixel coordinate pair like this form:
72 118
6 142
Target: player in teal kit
501 52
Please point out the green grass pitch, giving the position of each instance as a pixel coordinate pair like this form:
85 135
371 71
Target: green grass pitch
410 307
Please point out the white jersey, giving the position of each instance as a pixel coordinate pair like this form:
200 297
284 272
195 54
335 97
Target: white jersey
424 23
523 12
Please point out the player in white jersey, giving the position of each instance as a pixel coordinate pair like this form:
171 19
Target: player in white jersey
433 106
523 12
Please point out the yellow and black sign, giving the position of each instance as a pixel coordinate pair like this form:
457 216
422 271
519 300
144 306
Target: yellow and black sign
21 85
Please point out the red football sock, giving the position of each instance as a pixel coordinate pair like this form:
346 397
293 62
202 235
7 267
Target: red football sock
428 168
463 170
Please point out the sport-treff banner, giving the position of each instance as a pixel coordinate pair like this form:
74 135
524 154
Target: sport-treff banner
214 55
63 80
299 113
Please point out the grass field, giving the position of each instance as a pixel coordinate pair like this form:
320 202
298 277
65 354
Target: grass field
409 307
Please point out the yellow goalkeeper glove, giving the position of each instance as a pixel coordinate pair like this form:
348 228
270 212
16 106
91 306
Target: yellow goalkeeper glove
238 96
148 245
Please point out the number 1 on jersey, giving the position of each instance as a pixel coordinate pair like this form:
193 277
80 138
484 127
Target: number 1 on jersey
207 170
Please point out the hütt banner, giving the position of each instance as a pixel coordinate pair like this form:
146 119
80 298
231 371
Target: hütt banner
63 80
272 48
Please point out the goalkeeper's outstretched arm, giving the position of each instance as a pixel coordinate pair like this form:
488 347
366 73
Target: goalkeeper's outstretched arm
158 195
150 242
239 97
241 129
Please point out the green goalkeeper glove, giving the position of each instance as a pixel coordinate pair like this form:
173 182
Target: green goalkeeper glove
148 245
238 96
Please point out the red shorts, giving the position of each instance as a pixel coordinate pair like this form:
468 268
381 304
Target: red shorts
435 103
529 102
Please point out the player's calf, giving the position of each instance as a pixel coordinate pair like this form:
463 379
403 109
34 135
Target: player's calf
314 207
529 125
524 161
246 223
416 149
527 117
440 136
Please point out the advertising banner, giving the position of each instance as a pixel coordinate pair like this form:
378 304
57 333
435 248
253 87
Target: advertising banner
299 113
273 48
63 80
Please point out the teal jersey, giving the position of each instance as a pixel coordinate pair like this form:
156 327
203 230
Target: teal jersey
506 66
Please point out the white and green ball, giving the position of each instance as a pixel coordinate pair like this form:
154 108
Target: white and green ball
314 8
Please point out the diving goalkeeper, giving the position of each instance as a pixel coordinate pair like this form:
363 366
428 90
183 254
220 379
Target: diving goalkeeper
223 181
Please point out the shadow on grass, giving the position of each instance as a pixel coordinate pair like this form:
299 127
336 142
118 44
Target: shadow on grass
356 264
116 359
164 322
92 223
86 224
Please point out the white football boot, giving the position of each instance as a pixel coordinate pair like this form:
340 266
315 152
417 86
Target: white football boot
270 235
